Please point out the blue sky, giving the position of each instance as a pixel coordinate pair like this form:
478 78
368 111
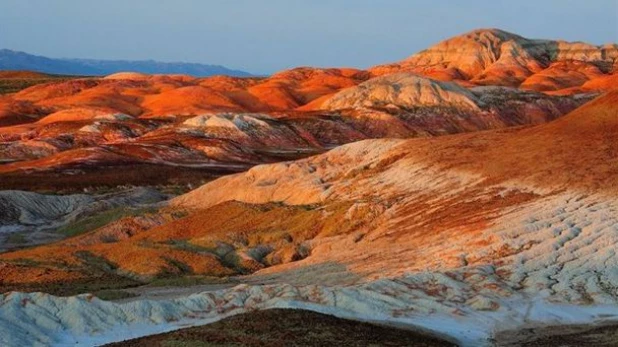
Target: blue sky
262 36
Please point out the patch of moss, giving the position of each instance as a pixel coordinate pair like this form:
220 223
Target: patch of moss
23 262
110 294
99 220
176 266
185 281
185 245
96 262
16 238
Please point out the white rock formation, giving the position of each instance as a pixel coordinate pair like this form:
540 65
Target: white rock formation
28 208
403 90
114 117
239 121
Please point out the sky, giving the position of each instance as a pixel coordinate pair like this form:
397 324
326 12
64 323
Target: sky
263 36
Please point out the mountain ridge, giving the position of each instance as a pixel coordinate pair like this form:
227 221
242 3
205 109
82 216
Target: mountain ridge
17 60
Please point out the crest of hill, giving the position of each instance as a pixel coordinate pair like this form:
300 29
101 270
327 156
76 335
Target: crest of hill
127 75
405 90
497 57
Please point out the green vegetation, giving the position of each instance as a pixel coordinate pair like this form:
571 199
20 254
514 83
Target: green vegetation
16 238
185 245
23 262
186 281
111 294
99 220
96 262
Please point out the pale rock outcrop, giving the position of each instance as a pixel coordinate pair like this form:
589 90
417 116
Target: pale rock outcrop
114 117
403 90
28 208
239 121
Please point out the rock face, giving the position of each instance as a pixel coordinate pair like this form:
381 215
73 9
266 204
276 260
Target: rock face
403 90
496 57
30 208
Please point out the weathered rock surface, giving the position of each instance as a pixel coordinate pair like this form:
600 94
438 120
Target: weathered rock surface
36 216
403 90
496 57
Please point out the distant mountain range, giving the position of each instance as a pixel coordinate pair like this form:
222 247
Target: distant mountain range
15 60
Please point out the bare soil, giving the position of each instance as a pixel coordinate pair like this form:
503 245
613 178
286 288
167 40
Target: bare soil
561 336
284 327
